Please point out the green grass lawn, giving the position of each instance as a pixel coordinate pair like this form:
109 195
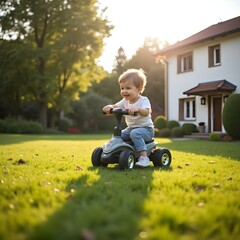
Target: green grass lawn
49 190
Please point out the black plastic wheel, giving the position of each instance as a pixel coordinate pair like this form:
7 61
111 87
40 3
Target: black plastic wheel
161 158
96 157
126 160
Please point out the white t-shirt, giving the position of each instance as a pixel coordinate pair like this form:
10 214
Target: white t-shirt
137 121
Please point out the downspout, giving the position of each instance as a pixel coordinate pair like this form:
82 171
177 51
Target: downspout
163 61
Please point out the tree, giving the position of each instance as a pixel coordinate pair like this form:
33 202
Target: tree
145 60
108 88
120 61
155 76
87 112
58 42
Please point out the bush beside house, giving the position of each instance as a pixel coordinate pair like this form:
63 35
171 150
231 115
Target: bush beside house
189 128
231 116
172 123
172 128
214 136
176 132
165 129
165 133
160 122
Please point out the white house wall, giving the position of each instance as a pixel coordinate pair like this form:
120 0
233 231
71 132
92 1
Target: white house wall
178 83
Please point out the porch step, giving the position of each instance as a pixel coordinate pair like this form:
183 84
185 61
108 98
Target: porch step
198 136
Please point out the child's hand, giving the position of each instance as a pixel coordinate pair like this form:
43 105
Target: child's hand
106 109
133 111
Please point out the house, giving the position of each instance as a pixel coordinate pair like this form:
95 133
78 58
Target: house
201 72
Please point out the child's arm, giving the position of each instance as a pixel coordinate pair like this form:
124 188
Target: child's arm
144 112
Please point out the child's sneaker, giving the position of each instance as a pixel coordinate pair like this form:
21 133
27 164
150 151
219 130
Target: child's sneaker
143 162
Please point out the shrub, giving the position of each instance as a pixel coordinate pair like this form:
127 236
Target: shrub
214 136
188 128
160 122
73 130
10 125
165 132
3 126
231 116
177 132
172 123
29 127
53 131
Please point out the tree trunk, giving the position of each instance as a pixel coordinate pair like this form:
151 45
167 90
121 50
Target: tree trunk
43 115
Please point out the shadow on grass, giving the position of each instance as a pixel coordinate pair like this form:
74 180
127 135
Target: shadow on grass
108 208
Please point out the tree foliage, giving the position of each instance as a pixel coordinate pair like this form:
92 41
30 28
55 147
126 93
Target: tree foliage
49 49
87 112
108 88
144 59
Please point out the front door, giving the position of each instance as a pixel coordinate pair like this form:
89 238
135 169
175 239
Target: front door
217 113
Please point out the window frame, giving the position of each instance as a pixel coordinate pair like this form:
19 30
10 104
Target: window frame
185 62
214 55
187 109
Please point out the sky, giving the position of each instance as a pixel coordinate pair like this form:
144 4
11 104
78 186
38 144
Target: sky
167 20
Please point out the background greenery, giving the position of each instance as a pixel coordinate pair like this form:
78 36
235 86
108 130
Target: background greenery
49 190
49 53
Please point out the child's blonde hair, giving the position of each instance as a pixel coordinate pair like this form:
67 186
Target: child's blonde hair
137 75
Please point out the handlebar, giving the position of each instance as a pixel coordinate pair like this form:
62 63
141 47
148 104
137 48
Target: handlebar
120 111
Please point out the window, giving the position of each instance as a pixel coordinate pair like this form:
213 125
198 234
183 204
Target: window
187 109
214 56
185 62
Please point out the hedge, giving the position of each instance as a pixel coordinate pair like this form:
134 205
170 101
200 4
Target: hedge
10 125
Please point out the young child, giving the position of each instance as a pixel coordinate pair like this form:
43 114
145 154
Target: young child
140 128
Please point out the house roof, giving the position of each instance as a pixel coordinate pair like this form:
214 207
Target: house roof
217 30
221 86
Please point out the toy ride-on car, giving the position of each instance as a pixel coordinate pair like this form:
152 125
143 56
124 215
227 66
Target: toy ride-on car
123 152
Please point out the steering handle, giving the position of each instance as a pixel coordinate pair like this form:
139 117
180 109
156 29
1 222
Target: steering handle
120 111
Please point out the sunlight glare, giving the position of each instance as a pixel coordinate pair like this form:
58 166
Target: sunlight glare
166 20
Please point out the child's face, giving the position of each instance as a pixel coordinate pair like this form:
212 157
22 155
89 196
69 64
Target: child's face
129 91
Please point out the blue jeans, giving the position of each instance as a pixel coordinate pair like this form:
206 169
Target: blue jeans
138 135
